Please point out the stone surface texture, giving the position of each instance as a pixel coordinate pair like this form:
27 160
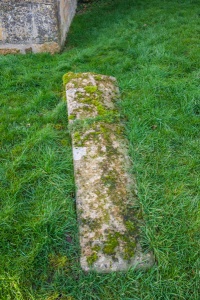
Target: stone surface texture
34 26
107 205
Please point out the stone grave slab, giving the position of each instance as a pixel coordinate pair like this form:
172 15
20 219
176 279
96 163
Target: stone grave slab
108 209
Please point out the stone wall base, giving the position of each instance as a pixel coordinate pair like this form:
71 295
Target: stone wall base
51 47
34 26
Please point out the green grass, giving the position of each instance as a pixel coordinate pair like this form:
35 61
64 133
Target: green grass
153 49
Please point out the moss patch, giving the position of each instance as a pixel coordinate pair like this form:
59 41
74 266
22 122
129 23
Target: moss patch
90 89
92 258
111 243
70 76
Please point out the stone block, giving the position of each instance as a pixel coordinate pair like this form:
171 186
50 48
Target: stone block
108 208
38 25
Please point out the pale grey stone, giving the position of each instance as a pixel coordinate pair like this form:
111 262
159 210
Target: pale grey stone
106 195
34 26
79 152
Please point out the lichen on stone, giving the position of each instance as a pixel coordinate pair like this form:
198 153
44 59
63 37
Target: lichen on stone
106 203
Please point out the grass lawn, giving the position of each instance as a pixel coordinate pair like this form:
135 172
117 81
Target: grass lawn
153 49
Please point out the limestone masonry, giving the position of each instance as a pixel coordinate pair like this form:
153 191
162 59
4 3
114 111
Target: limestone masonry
107 205
34 26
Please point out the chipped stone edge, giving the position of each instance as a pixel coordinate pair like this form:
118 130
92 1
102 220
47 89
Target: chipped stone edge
49 47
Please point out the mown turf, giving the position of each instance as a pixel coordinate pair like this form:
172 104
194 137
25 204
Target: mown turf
152 48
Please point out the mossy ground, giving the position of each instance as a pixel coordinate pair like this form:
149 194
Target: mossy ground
152 48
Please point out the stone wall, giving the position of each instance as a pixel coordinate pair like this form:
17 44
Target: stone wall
34 26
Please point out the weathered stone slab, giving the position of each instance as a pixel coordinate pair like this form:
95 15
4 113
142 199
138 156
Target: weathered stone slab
34 26
107 206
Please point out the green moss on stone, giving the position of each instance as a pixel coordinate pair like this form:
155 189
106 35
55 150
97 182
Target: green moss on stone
129 249
90 89
93 224
98 77
72 117
86 100
80 95
96 248
111 244
70 76
77 137
109 179
92 258
130 226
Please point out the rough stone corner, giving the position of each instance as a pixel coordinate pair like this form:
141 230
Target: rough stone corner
34 26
